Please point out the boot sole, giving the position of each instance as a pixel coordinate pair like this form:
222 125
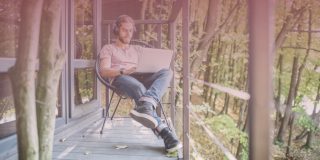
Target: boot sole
173 149
145 119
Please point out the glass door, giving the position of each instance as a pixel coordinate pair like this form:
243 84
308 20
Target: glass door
83 82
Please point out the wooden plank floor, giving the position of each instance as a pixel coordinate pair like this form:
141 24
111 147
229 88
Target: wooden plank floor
89 144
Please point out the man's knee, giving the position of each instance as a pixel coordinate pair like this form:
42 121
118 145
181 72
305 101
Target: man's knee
166 72
138 88
129 84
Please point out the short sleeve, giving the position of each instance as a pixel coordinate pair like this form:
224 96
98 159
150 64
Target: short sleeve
105 56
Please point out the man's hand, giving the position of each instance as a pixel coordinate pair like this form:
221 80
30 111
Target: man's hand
129 71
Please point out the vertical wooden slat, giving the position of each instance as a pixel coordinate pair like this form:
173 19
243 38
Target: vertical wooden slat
260 77
159 37
172 35
175 10
71 57
64 46
108 34
97 23
186 81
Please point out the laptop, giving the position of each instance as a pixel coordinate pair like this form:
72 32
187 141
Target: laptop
152 60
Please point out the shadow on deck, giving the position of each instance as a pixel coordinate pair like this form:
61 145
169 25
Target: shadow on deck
88 143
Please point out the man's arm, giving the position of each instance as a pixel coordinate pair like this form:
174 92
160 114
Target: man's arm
107 72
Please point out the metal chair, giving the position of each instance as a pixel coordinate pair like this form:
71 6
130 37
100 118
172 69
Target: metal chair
114 90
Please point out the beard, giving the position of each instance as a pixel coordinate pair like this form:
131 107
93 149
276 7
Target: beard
125 40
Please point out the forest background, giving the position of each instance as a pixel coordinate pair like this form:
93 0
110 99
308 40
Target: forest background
219 55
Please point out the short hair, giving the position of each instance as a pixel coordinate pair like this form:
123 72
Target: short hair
122 19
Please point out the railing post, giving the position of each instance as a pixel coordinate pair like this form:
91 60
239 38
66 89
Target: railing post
172 33
186 80
261 42
98 40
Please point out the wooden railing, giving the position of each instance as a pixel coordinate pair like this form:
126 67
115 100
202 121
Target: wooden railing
239 94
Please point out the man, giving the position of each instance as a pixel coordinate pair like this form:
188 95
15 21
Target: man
118 62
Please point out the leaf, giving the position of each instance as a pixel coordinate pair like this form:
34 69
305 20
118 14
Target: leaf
62 139
172 154
121 146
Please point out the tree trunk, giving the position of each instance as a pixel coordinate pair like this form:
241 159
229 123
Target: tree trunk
207 76
290 99
214 102
226 104
51 63
278 98
208 36
23 77
290 22
215 74
301 135
314 118
295 81
241 114
244 129
292 91
309 140
302 66
290 136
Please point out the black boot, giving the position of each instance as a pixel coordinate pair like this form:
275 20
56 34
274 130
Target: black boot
171 141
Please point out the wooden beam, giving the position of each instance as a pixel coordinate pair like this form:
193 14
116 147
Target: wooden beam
186 80
175 10
106 22
212 137
98 40
172 35
261 43
231 91
6 63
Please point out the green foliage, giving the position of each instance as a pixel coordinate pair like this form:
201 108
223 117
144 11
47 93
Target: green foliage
85 41
204 107
229 60
6 108
172 154
224 125
310 82
304 120
83 9
86 84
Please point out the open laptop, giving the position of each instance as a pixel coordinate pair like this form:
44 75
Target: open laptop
152 60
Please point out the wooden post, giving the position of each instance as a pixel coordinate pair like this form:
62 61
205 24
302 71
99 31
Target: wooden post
261 43
186 80
172 33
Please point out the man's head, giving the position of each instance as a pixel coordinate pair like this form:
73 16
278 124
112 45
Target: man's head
124 28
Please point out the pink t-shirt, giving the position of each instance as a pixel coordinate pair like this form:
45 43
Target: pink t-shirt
119 58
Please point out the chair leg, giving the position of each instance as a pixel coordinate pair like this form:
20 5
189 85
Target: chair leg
107 113
104 121
165 117
120 98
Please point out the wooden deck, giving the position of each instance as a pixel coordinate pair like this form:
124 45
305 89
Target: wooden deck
89 144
